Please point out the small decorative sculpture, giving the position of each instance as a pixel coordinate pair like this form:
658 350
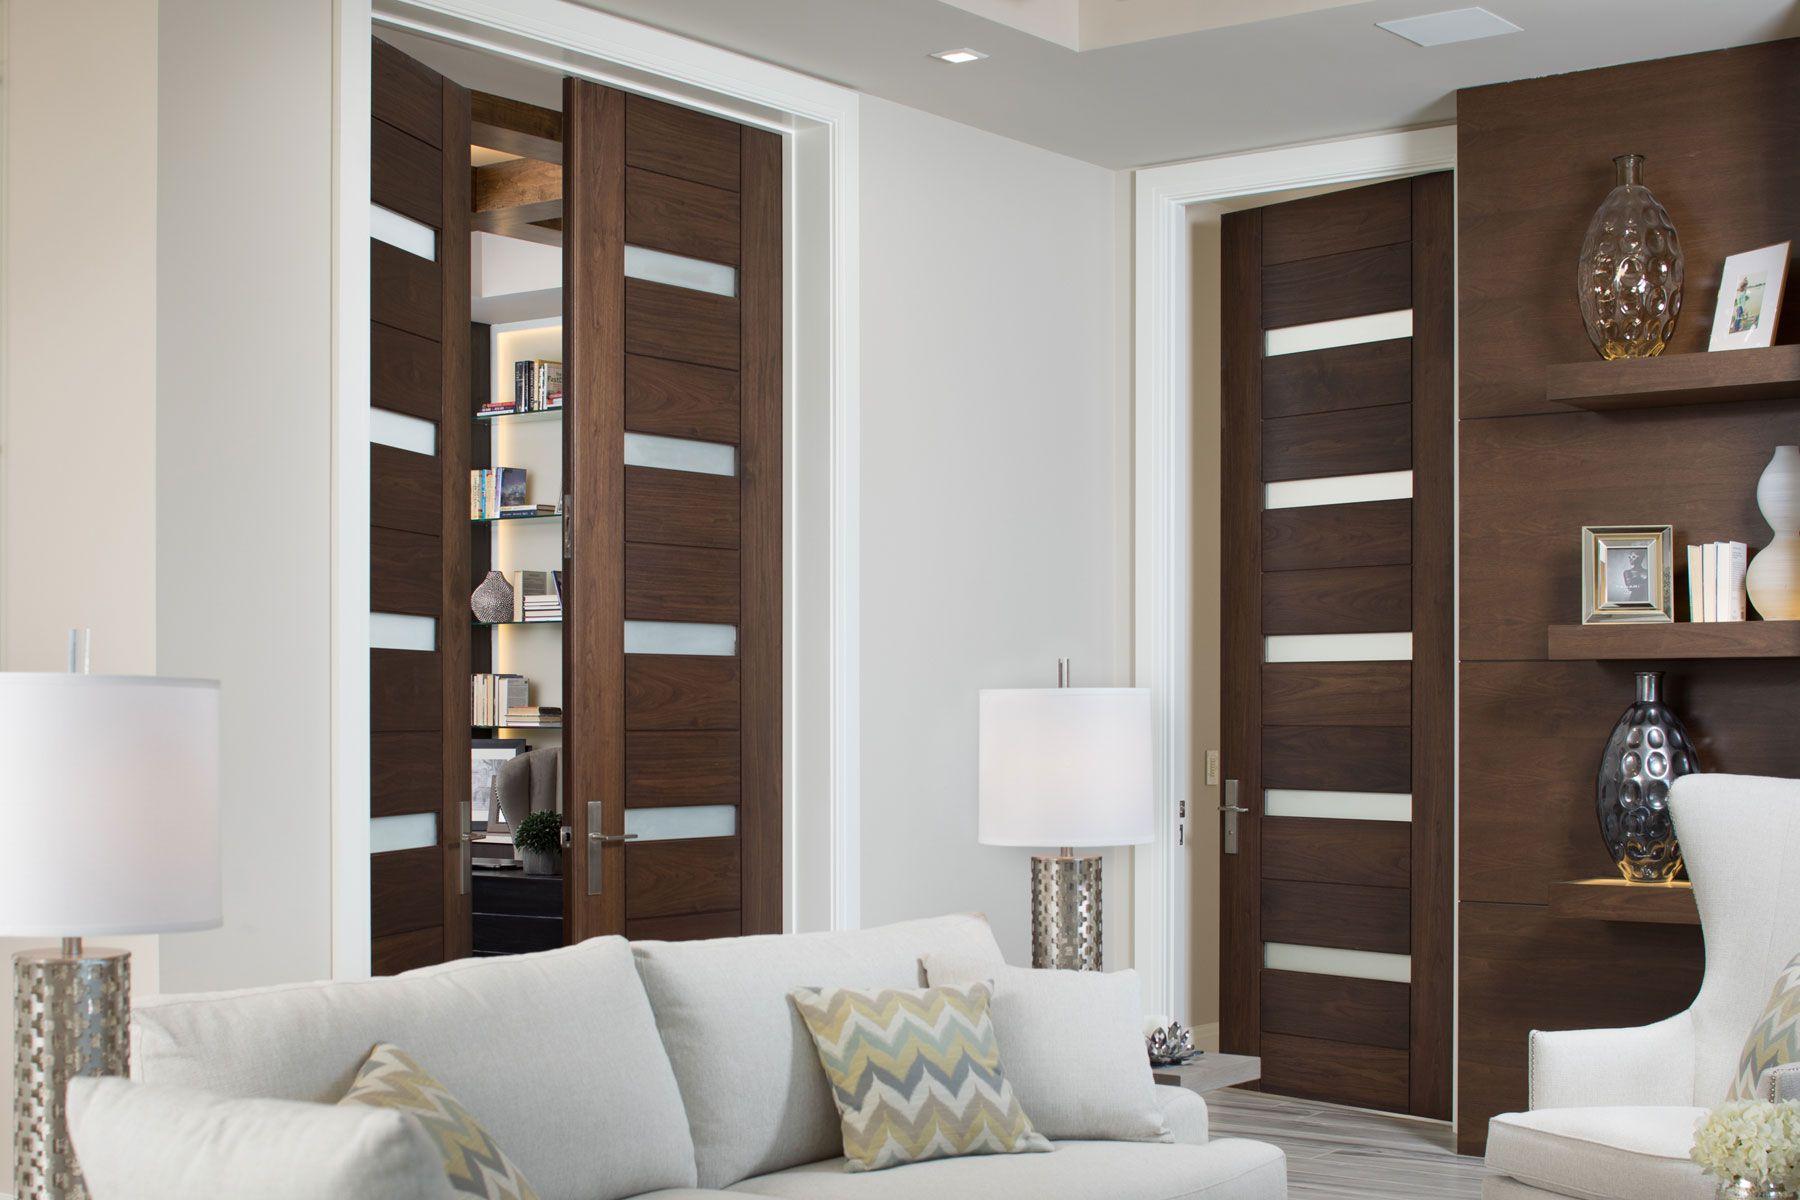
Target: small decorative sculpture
1630 269
1169 1042
492 600
1773 582
1649 749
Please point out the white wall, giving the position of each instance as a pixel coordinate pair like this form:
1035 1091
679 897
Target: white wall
994 475
244 457
77 357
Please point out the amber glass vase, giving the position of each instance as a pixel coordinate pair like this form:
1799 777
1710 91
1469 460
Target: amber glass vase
1630 274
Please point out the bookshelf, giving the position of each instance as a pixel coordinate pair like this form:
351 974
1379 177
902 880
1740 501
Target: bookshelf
1614 899
1674 640
1723 377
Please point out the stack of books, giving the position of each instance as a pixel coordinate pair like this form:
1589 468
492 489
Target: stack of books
539 595
1716 581
534 716
492 697
497 492
537 387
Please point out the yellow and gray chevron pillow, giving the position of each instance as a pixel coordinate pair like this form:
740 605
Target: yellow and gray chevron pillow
1775 1038
916 1074
391 1078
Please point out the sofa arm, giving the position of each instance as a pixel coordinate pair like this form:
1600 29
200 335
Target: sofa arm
138 1141
1184 1112
1588 1068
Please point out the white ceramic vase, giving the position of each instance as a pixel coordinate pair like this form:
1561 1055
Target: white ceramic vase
1773 580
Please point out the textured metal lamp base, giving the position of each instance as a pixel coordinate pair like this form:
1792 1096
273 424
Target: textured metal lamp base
72 1015
1065 912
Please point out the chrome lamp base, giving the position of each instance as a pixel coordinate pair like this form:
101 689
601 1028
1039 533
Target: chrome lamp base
72 1016
1065 911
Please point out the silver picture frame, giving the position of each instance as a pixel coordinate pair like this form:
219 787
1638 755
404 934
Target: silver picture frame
1627 574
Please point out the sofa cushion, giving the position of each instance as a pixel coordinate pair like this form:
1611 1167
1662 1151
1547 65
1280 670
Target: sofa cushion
557 1052
756 1098
1231 1169
1601 1153
1775 1038
140 1141
1073 1045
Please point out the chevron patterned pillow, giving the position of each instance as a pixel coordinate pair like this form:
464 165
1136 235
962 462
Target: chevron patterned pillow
1775 1038
391 1078
916 1074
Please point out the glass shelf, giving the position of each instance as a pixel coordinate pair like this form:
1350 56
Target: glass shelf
515 726
538 414
498 624
550 516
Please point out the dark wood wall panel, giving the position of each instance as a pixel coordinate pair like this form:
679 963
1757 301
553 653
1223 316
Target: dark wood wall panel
673 691
407 951
1356 693
405 691
1330 850
405 291
682 768
676 323
406 773
406 95
1357 442
1374 534
678 399
672 879
403 572
1352 284
678 216
1363 376
1343 758
406 891
405 491
1341 915
1534 161
404 175
678 141
681 508
680 583
685 929
1366 1076
406 372
1340 600
1359 219
1369 1012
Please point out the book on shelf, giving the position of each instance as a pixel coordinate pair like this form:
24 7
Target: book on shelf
492 490
491 696
537 385
537 595
1733 560
527 510
534 716
1716 581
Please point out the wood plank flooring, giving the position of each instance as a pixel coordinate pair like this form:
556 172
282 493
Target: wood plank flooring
1338 1153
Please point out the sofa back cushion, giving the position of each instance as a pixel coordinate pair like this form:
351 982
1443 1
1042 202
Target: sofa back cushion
557 1052
757 1099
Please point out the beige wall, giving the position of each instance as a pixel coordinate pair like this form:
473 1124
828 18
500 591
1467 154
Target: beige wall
77 354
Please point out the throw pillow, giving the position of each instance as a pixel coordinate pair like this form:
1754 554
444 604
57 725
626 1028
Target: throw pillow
1074 1048
916 1074
1775 1038
390 1078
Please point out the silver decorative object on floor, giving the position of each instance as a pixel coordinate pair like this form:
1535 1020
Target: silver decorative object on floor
1065 911
72 1013
1649 749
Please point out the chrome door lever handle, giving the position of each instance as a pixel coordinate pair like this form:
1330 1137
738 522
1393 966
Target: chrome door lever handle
1232 808
609 839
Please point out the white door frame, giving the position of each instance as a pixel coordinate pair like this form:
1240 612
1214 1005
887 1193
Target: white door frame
1163 521
820 646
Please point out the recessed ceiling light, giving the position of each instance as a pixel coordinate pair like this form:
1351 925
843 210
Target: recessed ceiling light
963 55
1458 25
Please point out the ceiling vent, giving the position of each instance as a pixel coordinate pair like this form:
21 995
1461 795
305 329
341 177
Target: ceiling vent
1458 25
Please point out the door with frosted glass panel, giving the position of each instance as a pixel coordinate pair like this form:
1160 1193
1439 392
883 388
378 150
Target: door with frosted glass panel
672 304
1337 591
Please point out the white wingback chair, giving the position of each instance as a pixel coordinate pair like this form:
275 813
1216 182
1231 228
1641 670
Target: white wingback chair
1612 1111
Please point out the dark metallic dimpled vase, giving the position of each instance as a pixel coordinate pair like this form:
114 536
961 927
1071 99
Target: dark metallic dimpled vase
1648 750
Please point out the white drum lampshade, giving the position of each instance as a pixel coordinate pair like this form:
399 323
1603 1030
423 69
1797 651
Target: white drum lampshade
109 789
1066 767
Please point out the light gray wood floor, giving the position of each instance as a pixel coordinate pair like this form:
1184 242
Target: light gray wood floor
1349 1154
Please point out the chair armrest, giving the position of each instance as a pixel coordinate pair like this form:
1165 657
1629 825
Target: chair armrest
1778 1083
1184 1112
139 1141
1588 1068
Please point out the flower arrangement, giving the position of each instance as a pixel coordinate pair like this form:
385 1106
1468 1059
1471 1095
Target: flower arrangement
1750 1141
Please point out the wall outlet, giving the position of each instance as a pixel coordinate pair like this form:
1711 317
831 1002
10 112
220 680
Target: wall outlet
1212 768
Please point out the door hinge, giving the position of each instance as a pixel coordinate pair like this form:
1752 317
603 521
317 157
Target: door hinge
568 526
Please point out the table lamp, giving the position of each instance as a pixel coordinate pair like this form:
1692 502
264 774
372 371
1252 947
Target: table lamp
1066 767
110 794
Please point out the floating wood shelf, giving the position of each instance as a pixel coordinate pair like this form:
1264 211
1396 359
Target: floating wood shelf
1617 900
1724 377
1678 639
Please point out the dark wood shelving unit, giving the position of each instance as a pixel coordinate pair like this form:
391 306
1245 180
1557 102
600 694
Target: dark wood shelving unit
1618 900
1677 639
1724 377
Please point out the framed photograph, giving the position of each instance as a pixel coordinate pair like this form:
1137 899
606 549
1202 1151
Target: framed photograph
1627 573
1750 298
486 756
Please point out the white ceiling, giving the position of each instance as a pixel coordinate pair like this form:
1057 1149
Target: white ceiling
1294 78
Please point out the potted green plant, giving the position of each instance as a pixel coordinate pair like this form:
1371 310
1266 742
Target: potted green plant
539 837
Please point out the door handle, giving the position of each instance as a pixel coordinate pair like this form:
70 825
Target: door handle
612 839
465 852
596 839
1232 810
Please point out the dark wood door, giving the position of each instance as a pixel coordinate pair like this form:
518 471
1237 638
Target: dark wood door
673 461
1338 642
418 511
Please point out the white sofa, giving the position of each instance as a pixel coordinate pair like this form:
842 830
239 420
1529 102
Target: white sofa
1612 1111
606 1070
